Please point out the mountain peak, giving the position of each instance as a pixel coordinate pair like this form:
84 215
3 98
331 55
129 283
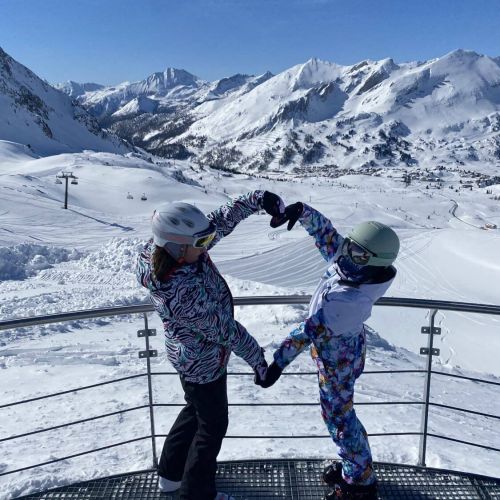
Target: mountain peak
313 72
463 54
174 77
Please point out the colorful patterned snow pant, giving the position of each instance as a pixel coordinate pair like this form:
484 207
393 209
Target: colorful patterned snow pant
336 378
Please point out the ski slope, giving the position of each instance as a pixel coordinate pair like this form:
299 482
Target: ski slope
83 258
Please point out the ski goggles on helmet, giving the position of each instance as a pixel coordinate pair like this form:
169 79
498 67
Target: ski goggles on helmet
201 239
358 254
204 238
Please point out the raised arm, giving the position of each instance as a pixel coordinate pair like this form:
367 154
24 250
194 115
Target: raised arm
317 225
228 216
326 237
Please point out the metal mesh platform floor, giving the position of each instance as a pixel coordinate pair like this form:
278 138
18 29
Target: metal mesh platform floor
288 479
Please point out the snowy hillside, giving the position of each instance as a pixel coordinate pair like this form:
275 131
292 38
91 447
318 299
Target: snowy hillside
44 119
54 260
319 115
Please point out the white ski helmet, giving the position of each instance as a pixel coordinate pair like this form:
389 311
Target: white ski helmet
178 225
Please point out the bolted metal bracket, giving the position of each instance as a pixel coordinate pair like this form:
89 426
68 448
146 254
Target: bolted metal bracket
149 332
436 330
152 353
425 350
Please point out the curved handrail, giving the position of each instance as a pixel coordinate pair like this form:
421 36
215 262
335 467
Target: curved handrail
433 305
248 301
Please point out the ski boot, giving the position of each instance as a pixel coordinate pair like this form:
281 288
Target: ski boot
345 491
223 496
332 473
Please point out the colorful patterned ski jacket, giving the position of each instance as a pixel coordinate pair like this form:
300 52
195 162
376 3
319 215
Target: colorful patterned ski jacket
196 305
339 306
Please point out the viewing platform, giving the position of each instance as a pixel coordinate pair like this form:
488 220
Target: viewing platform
290 480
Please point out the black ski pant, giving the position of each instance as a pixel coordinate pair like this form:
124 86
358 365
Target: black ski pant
194 441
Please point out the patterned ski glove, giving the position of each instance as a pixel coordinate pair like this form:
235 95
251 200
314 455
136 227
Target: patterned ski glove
273 205
292 214
273 373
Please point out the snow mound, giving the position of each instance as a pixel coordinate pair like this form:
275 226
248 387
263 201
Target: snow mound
115 256
27 259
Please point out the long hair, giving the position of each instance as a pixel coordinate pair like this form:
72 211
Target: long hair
163 263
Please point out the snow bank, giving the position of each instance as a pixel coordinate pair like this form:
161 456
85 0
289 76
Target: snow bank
115 256
27 259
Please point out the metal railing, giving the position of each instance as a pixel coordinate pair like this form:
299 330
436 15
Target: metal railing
429 351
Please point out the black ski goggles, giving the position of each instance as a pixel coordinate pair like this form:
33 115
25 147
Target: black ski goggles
358 254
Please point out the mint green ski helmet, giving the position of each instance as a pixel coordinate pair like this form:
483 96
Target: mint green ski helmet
381 242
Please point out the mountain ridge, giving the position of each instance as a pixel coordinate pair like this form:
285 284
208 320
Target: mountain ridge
316 114
34 113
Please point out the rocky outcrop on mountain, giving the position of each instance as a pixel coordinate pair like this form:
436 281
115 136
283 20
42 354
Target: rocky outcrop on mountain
378 75
225 85
318 104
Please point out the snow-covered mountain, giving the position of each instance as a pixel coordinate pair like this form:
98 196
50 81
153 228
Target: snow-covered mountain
317 114
170 92
373 112
74 89
169 86
46 120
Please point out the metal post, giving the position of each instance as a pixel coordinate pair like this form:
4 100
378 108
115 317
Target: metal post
66 176
150 387
66 193
429 351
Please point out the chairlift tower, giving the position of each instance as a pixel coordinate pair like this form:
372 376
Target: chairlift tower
66 176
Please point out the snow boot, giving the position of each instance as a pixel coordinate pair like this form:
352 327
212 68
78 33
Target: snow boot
332 473
167 486
345 491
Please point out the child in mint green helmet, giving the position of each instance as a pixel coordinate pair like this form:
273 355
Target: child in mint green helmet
359 272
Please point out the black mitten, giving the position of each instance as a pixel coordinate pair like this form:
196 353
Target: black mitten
272 204
292 214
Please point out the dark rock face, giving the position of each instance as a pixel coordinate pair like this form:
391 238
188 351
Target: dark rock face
31 102
4 63
319 103
230 83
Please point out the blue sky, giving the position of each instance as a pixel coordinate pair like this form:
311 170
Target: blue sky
110 41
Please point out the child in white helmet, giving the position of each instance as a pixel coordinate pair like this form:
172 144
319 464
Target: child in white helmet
360 272
196 307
